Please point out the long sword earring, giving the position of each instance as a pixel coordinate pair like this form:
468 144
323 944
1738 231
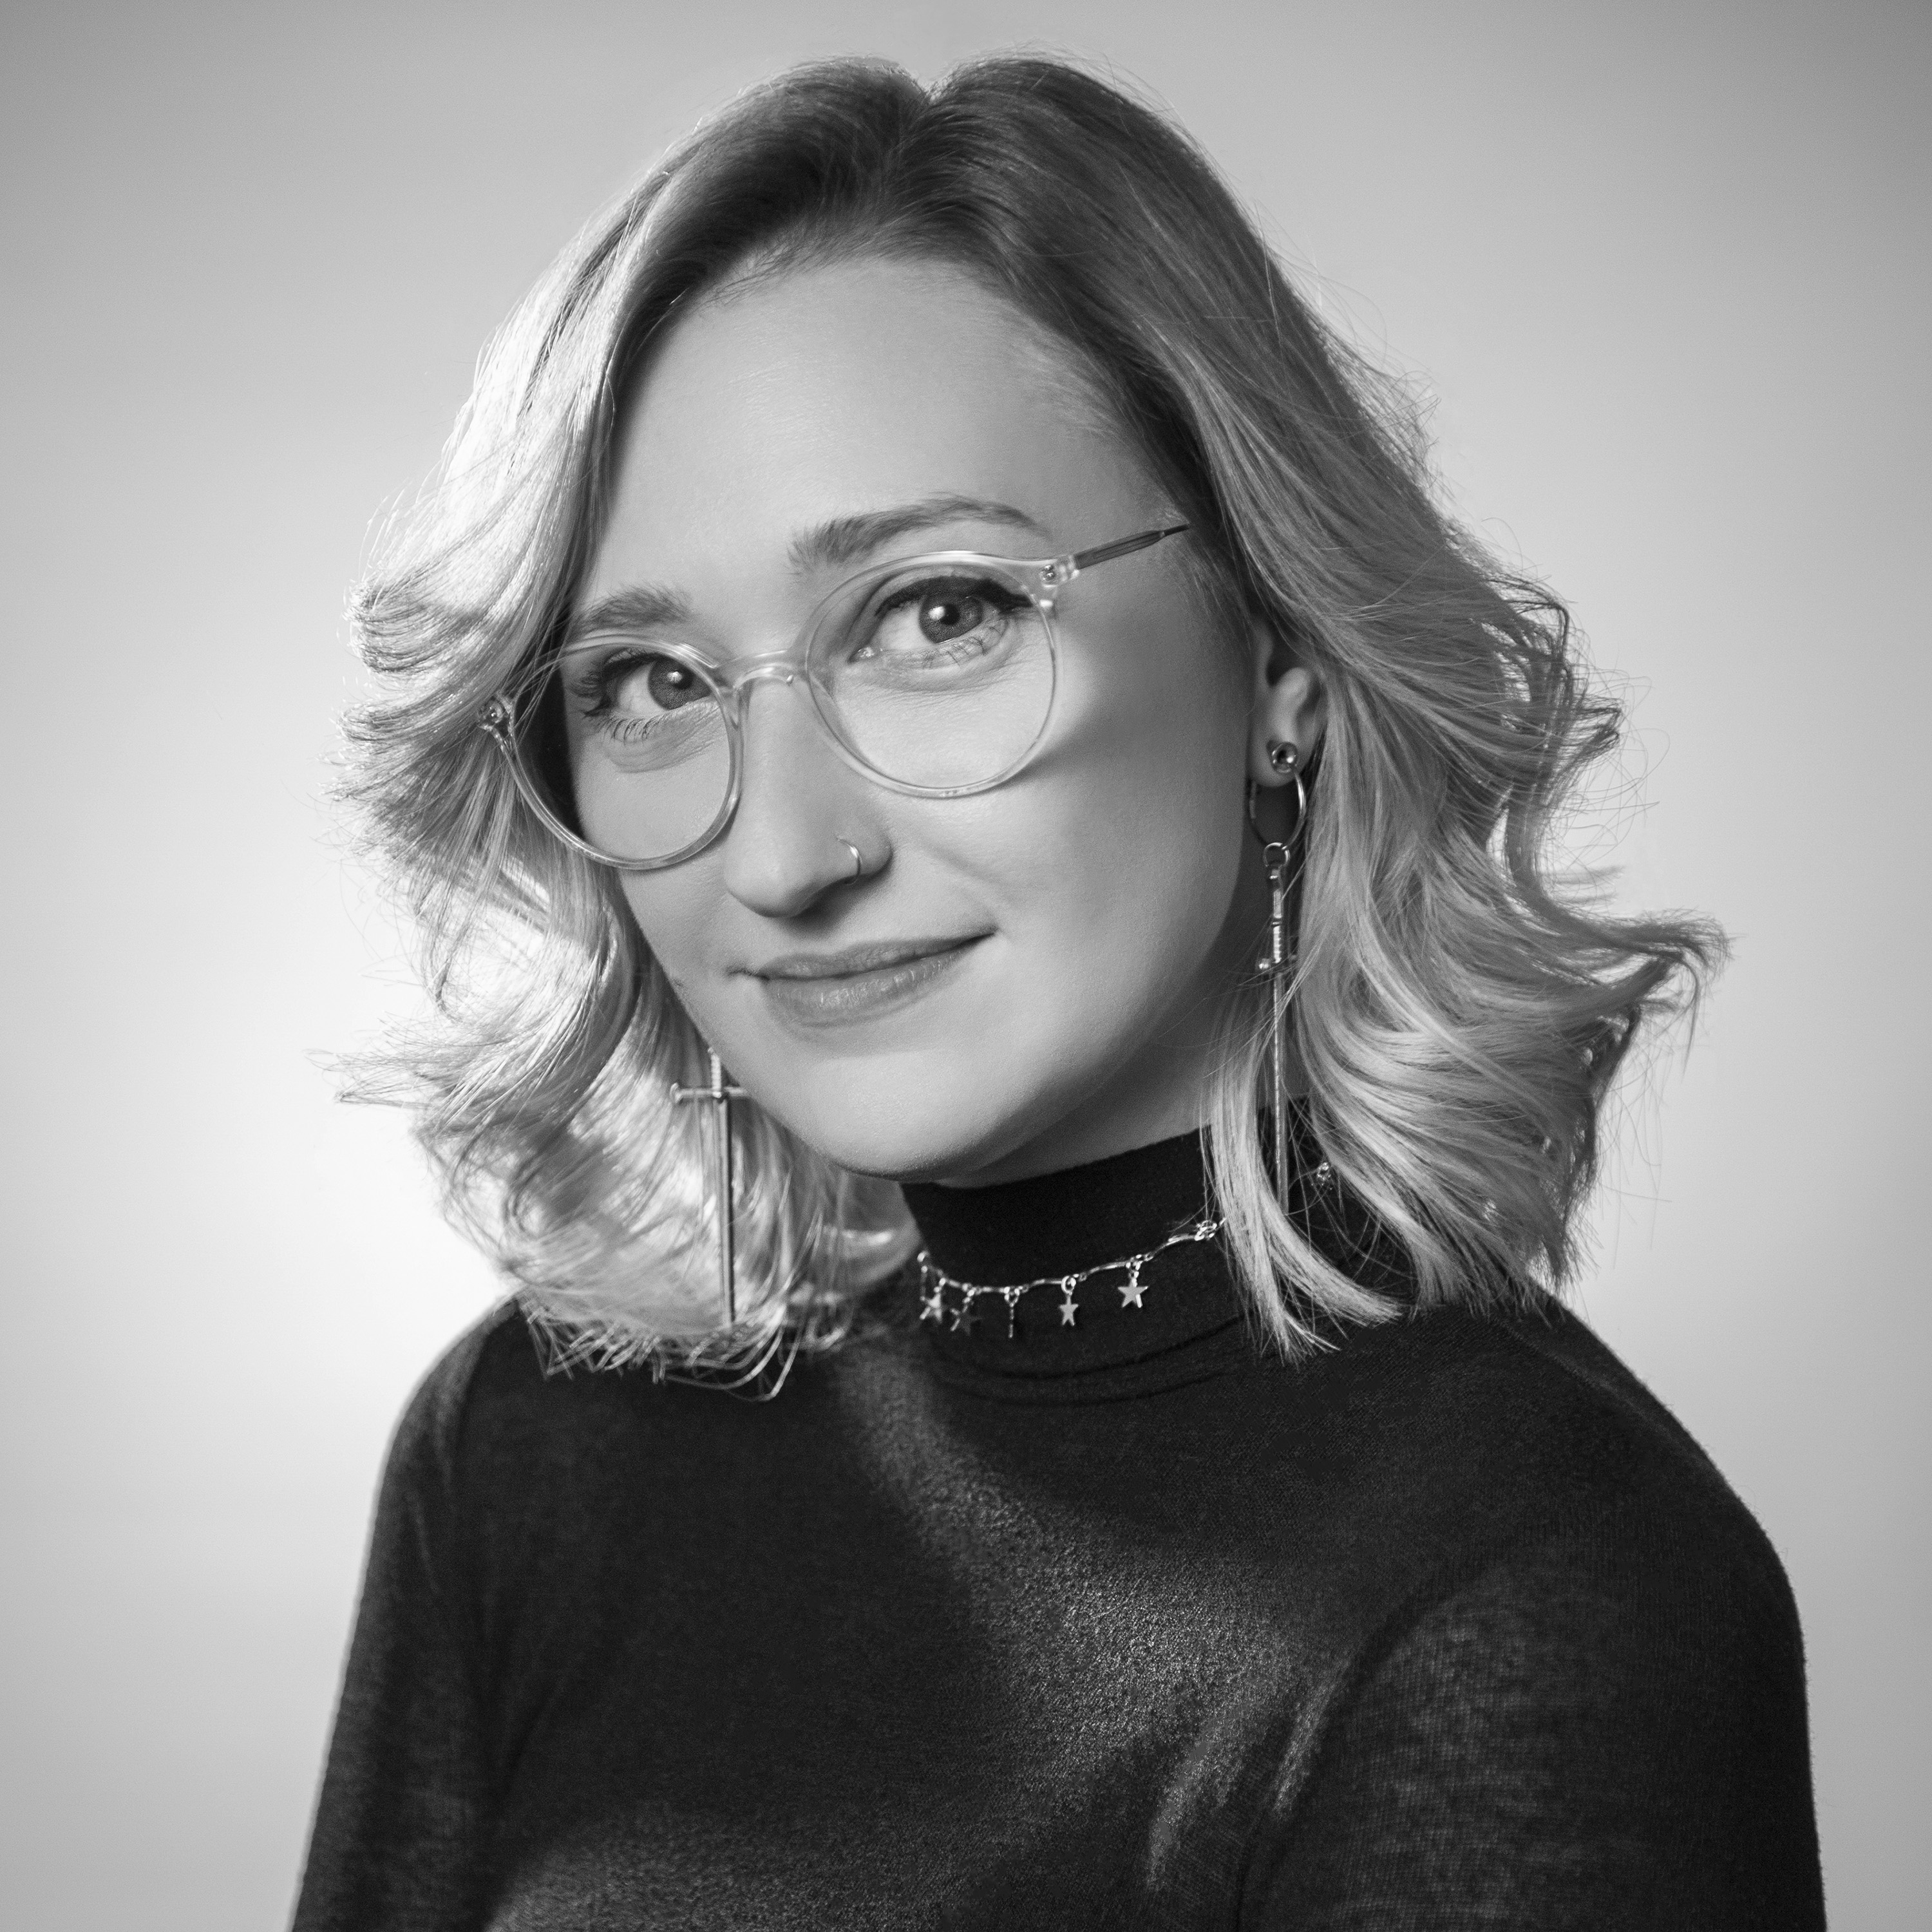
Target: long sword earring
1278 962
719 1096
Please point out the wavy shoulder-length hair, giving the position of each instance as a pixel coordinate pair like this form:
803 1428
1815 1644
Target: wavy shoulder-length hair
1459 1017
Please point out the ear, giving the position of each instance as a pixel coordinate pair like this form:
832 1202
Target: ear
1288 707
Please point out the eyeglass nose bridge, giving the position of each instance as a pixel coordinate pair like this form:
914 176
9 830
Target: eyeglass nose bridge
785 667
733 682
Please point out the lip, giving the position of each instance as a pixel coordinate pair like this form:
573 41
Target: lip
859 982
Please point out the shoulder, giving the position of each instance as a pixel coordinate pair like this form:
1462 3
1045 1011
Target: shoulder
1533 1403
432 1421
1562 1659
1584 1503
487 1399
1440 1445
1611 1711
499 1453
1589 1686
518 1442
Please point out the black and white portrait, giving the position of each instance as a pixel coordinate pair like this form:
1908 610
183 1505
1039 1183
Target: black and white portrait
966 967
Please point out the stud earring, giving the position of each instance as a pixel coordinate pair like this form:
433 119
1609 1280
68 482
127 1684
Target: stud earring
1278 962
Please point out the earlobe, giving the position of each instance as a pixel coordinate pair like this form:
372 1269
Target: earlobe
1289 712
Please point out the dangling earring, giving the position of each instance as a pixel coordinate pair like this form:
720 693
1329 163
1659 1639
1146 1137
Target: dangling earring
718 1095
1278 962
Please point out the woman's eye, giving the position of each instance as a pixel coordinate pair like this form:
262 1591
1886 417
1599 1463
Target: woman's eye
632 685
652 684
950 614
947 619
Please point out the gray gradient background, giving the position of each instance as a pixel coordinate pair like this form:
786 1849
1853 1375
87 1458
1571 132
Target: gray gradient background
1662 267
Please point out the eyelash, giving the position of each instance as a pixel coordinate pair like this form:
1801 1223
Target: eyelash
999 600
594 686
996 595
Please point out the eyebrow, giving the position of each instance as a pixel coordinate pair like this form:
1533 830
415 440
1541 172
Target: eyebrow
845 540
835 543
641 607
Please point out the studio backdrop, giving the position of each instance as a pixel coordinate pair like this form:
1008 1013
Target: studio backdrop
1661 274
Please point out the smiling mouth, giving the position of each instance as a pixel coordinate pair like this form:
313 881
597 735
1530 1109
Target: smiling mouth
831 988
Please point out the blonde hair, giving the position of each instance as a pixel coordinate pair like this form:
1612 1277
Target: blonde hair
1459 1019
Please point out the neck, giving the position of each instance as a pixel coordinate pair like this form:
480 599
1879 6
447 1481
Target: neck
1085 1138
1076 1269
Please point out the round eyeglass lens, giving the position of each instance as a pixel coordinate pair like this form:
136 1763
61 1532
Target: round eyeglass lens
938 673
626 747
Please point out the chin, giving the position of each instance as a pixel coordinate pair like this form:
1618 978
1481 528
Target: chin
928 1117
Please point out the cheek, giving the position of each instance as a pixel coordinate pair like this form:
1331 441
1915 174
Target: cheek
676 911
1129 835
1158 726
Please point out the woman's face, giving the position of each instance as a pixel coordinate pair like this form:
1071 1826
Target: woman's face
1027 978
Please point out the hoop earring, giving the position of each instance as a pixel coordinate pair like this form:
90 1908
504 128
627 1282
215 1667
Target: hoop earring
1278 962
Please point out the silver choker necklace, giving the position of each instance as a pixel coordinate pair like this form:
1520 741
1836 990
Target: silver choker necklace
935 1283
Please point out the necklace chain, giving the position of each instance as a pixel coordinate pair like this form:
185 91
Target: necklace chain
934 1282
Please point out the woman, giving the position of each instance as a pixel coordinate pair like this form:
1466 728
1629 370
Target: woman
983 847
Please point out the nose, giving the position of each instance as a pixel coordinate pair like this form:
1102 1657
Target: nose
798 801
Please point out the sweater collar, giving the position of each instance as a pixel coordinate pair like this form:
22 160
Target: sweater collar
1054 1226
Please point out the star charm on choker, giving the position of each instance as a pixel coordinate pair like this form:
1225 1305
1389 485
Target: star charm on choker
935 1284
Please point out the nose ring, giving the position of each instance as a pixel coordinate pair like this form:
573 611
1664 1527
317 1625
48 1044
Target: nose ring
858 861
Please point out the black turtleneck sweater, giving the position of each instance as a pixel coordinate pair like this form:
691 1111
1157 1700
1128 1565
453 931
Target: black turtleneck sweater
1123 1622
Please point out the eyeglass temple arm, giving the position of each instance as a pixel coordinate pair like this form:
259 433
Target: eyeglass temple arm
1085 560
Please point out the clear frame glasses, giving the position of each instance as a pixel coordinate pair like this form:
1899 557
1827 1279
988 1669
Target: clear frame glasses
933 676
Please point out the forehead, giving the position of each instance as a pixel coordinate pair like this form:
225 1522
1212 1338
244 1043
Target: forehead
844 390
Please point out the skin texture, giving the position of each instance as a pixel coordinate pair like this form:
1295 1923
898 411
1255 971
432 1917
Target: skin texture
1111 891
